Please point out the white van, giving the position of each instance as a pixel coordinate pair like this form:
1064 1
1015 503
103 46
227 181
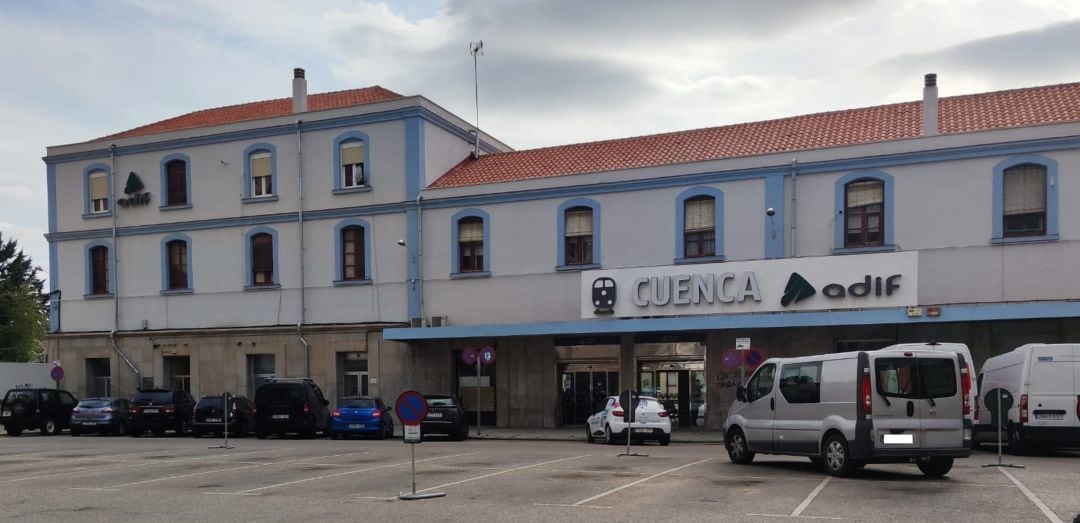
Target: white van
1043 381
971 408
849 409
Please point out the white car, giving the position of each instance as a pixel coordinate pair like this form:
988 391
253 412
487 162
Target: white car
651 422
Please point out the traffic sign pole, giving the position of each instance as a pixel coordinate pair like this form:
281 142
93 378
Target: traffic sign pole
412 408
478 397
225 407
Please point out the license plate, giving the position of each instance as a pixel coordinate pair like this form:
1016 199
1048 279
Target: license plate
898 439
1050 416
642 430
280 416
5 413
356 426
213 420
88 422
434 415
151 411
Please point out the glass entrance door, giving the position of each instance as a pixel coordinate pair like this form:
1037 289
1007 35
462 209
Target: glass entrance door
582 388
679 386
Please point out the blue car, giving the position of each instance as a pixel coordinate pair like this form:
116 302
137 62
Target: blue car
360 415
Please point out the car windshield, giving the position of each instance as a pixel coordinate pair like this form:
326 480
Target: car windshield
153 397
209 402
94 404
358 403
277 395
441 402
13 395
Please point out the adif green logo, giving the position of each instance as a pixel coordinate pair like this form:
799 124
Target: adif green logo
799 289
133 189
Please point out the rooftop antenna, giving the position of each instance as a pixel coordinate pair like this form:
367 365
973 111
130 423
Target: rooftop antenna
476 49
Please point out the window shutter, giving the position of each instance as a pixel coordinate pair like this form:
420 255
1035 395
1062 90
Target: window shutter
470 231
99 186
579 223
262 253
865 193
1025 189
700 215
352 153
260 165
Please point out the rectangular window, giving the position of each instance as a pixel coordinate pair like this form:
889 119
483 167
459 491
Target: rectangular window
260 370
863 213
178 269
1025 201
99 261
579 233
801 383
262 259
471 245
352 252
177 372
916 378
99 192
699 224
261 171
352 165
176 174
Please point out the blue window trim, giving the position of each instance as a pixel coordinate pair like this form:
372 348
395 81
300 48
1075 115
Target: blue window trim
249 278
1052 181
718 226
258 148
560 237
455 251
88 265
165 264
339 251
165 181
341 139
886 214
87 171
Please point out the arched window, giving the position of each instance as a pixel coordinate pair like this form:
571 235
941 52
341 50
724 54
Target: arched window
470 244
99 270
864 213
178 264
352 253
1024 206
262 259
699 227
578 236
353 173
99 192
260 172
176 182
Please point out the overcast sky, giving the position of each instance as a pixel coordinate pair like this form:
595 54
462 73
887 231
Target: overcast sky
553 71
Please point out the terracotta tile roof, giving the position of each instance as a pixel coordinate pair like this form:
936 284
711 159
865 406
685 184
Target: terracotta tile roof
263 109
958 114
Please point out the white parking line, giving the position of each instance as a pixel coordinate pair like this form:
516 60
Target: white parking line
249 492
77 471
810 499
181 476
501 472
642 480
1034 499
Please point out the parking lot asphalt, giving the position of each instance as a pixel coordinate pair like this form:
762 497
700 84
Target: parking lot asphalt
94 478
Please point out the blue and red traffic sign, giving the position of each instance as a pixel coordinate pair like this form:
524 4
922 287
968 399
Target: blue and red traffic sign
469 355
57 373
487 355
411 407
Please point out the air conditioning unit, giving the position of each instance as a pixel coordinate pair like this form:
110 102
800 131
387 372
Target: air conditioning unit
416 322
439 321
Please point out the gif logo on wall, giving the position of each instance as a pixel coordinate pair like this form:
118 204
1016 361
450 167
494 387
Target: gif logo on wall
603 295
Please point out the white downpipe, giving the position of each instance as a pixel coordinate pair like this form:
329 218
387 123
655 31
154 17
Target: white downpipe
300 219
420 255
115 270
794 209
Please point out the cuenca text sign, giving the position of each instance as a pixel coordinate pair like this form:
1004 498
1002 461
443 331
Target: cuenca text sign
792 284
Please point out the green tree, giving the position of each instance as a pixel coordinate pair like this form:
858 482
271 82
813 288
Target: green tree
24 313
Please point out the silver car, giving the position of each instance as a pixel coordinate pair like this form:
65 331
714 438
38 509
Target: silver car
100 415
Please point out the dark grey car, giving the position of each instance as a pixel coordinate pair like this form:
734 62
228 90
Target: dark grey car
100 415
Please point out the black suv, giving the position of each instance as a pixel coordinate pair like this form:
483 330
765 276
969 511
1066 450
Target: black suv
31 409
291 405
158 410
210 416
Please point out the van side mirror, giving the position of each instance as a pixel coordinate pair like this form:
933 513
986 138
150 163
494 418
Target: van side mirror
740 393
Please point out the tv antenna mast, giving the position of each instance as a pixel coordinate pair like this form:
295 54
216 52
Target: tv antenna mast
476 49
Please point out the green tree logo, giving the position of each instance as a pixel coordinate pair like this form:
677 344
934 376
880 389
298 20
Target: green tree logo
133 185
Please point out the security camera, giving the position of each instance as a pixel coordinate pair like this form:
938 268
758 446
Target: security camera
401 243
770 211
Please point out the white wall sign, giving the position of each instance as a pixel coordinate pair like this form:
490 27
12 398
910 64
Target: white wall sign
792 284
742 343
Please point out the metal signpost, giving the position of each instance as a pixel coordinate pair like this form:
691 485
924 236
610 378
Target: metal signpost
1004 401
629 401
225 407
411 407
742 344
471 357
485 356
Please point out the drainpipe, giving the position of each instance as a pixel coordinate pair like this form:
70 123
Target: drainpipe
115 272
420 254
794 214
300 218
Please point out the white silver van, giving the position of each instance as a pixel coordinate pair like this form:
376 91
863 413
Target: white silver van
1043 383
971 406
849 409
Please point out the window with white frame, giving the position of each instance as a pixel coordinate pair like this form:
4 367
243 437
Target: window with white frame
99 192
1024 207
352 164
261 174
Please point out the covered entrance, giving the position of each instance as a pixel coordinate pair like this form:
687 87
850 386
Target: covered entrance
582 386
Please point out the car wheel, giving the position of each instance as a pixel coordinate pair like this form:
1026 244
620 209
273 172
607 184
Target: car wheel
196 433
665 440
49 427
13 432
737 447
837 456
935 467
134 433
260 435
588 435
609 437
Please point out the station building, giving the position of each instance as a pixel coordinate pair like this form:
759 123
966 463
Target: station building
365 239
